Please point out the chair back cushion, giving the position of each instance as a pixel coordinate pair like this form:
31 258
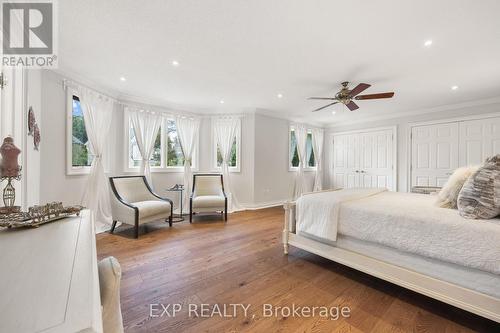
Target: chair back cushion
132 189
207 185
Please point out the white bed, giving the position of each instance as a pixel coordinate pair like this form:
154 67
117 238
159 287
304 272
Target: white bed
403 238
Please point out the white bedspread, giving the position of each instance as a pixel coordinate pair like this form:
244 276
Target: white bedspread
318 213
411 223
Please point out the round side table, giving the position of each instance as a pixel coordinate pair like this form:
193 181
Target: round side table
178 217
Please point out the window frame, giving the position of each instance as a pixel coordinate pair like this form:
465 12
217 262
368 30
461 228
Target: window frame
163 168
291 168
213 163
70 169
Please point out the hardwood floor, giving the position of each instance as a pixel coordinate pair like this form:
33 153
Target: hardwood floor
242 261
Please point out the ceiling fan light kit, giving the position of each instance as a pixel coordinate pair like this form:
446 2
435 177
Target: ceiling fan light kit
347 96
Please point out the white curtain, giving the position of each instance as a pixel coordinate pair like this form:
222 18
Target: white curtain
97 114
300 182
225 129
188 130
146 125
317 146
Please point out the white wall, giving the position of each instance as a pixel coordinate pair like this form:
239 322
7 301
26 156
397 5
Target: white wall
403 127
274 182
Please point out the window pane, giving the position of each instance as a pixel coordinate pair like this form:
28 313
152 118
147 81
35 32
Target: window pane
293 149
234 155
135 154
175 158
310 153
81 155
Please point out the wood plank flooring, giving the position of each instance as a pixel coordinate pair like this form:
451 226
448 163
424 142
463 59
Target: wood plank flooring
242 262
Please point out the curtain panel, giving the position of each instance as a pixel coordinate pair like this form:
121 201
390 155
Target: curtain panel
97 114
317 146
188 129
300 181
225 129
146 125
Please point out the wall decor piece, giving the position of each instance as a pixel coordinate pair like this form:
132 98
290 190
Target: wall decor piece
37 215
31 121
36 136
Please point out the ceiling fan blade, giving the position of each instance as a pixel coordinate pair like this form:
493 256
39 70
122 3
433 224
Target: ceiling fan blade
375 96
324 107
327 98
352 106
359 89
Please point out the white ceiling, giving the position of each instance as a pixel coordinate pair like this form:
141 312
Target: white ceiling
248 51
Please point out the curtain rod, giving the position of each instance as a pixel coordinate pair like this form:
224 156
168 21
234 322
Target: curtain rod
75 85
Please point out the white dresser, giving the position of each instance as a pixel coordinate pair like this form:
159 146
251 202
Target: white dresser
48 278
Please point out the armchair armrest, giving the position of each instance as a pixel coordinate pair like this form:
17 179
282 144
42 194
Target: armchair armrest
160 198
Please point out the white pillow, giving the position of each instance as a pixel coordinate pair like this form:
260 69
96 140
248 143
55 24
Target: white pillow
448 196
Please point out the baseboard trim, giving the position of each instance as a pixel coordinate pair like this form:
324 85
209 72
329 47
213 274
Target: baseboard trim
264 205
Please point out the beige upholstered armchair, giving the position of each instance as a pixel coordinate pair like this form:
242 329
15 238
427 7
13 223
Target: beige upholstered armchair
133 202
208 195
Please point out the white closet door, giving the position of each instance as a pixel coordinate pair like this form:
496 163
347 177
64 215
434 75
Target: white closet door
345 161
434 153
376 159
363 160
479 139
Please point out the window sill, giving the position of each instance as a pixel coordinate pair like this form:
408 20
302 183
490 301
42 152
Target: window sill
78 171
161 170
294 169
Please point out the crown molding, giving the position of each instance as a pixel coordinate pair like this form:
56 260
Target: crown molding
416 112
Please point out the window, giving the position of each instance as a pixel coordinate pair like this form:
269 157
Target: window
167 153
175 157
79 156
234 159
294 153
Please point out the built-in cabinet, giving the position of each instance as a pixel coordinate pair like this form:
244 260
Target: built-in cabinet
364 159
438 149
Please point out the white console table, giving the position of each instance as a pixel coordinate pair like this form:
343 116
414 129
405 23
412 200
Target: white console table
48 278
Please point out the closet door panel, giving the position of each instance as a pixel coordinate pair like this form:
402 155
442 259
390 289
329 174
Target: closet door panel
376 163
479 139
435 153
346 161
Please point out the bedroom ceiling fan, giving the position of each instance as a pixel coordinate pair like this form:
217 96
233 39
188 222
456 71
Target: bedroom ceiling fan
347 96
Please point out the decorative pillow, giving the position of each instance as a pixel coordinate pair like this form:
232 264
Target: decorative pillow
480 195
448 196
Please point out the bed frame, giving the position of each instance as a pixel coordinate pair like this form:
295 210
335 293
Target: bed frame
461 297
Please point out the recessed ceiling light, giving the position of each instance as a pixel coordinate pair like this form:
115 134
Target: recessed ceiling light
280 95
333 112
428 43
175 63
221 101
454 87
123 79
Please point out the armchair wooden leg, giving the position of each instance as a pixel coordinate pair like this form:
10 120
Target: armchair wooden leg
190 217
136 231
170 220
113 227
225 211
